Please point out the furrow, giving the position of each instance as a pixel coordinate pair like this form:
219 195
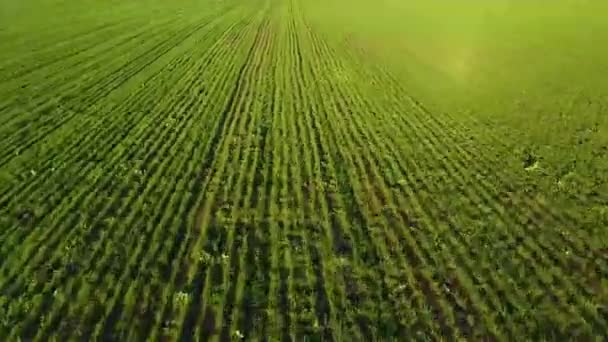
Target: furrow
240 230
113 82
454 130
418 129
116 163
167 162
466 186
208 166
249 317
150 139
378 190
70 80
41 61
371 203
336 241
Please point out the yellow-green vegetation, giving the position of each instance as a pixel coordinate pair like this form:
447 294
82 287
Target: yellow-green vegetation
303 170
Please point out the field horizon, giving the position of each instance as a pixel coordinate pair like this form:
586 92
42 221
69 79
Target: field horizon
303 170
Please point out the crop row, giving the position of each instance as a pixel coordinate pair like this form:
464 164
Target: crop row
91 224
436 166
232 171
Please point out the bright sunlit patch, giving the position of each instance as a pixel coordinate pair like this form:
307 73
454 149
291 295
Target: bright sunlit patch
460 62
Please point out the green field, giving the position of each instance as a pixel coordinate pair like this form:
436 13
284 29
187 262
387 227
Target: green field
306 170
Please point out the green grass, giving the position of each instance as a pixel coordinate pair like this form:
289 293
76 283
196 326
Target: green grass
303 169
